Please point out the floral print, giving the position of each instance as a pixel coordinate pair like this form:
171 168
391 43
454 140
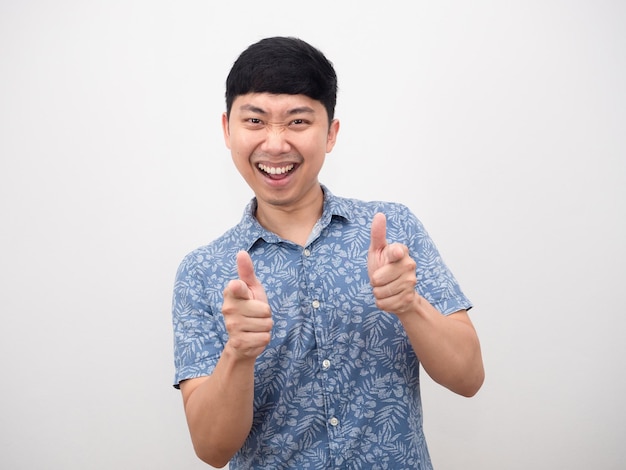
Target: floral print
338 385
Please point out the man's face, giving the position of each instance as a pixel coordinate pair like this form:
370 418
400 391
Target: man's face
279 143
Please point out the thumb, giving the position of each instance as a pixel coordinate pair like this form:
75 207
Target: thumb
378 237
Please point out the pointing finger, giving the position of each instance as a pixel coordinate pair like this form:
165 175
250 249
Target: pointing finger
245 269
378 240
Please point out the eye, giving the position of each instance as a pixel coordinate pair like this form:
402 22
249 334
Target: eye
253 123
300 123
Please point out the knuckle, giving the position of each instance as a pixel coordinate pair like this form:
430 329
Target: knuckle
268 338
231 323
235 342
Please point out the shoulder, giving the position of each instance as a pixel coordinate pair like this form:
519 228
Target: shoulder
402 224
398 215
218 254
358 209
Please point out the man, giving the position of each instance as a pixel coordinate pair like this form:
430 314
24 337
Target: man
298 331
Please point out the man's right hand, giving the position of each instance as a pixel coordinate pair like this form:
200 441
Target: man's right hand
246 311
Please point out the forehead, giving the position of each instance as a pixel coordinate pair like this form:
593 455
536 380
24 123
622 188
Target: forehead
277 105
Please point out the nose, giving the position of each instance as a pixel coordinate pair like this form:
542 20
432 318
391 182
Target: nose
276 142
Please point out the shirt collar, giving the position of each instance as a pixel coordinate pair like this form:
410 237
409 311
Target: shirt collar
251 230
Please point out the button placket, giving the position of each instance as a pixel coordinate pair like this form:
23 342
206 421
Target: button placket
327 380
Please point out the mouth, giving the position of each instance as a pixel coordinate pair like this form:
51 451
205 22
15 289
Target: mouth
276 172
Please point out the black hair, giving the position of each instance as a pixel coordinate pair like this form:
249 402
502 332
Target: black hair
283 65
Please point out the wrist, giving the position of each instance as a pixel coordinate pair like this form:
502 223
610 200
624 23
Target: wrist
415 308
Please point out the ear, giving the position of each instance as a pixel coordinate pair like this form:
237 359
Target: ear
331 139
226 130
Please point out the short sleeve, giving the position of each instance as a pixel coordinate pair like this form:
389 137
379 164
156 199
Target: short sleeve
199 331
435 281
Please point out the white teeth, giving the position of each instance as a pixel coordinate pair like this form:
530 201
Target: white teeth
275 171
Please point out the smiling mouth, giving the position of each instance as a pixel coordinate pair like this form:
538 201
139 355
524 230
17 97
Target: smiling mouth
275 170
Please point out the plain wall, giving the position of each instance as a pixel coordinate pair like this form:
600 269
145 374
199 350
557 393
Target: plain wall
501 124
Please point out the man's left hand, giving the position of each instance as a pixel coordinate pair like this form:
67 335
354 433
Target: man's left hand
391 270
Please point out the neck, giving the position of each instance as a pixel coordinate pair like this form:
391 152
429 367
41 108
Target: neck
291 223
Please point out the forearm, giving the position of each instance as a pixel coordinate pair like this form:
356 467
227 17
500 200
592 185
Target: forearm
219 410
447 346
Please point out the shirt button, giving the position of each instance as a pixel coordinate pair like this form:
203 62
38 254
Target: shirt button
316 304
307 252
333 421
325 364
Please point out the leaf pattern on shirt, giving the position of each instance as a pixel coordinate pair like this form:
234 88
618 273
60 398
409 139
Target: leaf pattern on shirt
343 360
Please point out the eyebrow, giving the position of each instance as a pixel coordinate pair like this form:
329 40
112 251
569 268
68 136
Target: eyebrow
249 107
298 110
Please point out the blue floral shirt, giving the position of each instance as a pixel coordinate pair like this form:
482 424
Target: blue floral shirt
338 385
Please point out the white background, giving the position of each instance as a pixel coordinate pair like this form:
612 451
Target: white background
501 124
